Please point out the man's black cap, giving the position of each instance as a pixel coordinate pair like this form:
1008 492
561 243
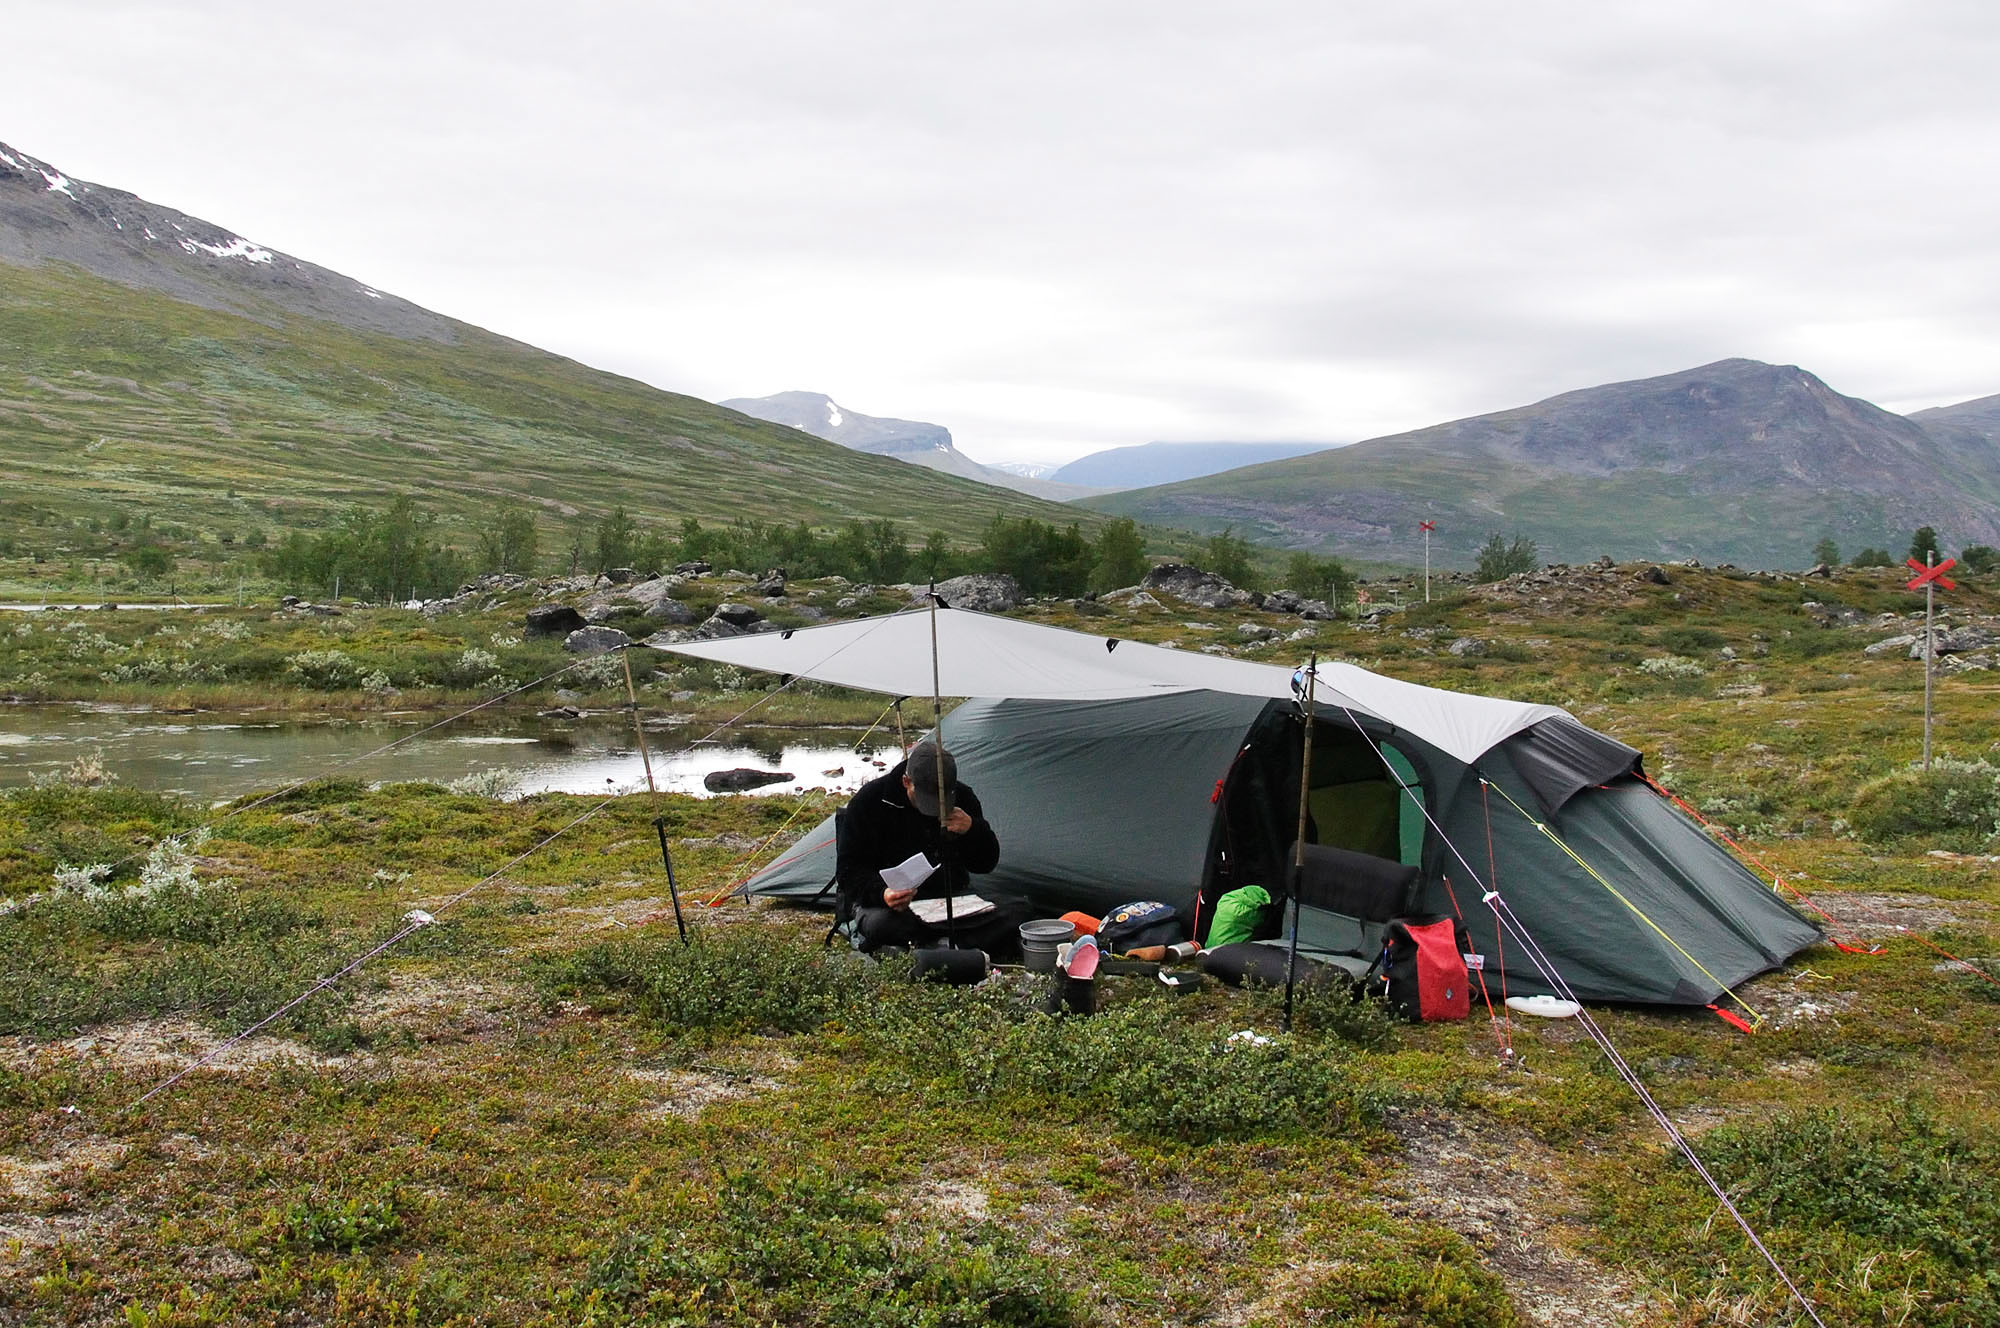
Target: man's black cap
923 775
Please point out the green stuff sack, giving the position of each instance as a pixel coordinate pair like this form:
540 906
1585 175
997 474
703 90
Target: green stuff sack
1237 915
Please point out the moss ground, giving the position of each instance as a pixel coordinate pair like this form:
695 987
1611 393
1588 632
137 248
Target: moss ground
543 1110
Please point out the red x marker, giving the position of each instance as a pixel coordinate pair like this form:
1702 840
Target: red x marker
1427 527
1934 575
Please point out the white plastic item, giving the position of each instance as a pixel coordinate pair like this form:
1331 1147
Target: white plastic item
1547 1007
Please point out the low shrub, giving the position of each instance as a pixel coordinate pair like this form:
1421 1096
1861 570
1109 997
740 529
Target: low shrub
1839 1197
1955 806
815 1250
317 1222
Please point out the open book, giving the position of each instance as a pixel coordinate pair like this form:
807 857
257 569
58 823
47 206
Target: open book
962 908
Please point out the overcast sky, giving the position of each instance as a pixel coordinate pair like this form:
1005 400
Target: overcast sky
1056 227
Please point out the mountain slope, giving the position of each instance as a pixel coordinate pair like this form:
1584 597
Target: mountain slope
921 444
1739 461
1165 463
152 364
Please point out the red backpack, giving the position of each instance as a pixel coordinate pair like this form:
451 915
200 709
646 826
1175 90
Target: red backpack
1421 969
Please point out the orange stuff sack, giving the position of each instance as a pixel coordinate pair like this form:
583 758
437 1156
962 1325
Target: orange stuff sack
1084 923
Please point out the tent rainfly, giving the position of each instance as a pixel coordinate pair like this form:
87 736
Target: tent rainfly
1116 770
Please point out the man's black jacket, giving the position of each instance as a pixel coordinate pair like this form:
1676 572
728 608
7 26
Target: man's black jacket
882 829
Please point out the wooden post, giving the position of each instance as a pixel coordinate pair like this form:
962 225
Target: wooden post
1930 655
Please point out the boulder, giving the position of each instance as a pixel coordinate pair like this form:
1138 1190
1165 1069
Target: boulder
712 629
1653 576
1191 585
1604 563
1831 615
699 567
771 585
1467 646
595 640
553 620
655 599
982 592
1256 632
1314 610
622 576
1954 641
737 781
1820 569
1891 645
1282 601
738 615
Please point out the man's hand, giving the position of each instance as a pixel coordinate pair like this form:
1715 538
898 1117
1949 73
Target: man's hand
897 898
958 822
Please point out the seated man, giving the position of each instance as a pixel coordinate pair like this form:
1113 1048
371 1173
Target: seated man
896 816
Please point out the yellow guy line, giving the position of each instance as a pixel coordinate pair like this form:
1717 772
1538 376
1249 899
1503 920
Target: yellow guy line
1554 838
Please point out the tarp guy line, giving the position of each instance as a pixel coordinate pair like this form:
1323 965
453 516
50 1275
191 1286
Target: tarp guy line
1508 919
811 798
406 931
1618 895
1660 1117
359 960
1777 879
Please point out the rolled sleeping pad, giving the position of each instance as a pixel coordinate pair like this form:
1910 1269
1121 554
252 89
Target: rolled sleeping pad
954 968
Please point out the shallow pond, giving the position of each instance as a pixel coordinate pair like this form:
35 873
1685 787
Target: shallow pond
218 755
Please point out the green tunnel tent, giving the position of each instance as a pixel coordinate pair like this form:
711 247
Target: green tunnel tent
1113 772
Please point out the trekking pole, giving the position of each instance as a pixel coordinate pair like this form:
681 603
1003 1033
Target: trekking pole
1299 844
673 891
937 736
659 822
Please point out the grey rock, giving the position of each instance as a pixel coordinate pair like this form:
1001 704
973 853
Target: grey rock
560 712
1256 632
739 780
595 640
738 615
564 696
771 587
1820 569
553 620
1965 663
1467 645
1314 610
622 576
810 612
715 629
699 567
981 592
1832 615
1653 575
1604 563
1282 601
1955 641
1191 585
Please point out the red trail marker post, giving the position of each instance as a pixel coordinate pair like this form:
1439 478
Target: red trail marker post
1931 576
1427 527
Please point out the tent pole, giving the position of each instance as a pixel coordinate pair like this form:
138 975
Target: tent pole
937 736
1299 844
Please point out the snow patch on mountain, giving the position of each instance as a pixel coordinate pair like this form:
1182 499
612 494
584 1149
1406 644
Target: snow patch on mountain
833 415
238 247
58 182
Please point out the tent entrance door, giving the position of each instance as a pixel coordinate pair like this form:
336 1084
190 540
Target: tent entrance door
1356 803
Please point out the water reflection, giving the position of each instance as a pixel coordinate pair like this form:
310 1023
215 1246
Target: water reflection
218 756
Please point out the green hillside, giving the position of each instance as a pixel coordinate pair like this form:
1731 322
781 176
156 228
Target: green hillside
126 407
1736 461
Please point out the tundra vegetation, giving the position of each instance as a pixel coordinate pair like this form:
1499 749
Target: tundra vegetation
543 1109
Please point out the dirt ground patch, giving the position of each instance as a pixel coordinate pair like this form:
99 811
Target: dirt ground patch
1869 916
156 1044
1503 1192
